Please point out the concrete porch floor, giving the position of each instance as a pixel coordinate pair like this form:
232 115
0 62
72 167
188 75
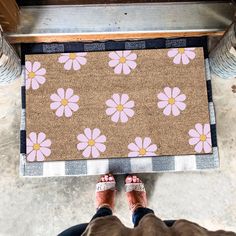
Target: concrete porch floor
46 206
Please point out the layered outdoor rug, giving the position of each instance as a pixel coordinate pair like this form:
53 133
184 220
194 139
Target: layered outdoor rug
117 106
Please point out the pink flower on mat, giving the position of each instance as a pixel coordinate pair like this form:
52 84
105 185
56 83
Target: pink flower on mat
38 147
172 101
201 138
64 101
34 75
92 142
120 108
74 60
182 54
142 147
123 61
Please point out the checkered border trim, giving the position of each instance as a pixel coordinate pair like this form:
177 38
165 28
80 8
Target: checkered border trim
119 165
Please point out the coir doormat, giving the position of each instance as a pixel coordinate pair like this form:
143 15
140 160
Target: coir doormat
117 100
116 104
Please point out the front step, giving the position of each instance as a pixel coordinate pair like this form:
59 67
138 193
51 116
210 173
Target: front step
121 21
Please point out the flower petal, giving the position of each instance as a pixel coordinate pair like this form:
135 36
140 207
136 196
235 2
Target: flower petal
131 57
193 133
118 69
206 129
87 151
46 143
55 97
33 137
114 56
206 147
180 105
68 64
31 156
81 60
124 99
180 98
88 133
41 137
95 152
55 105
175 92
60 111
28 66
126 53
74 98
69 93
111 103
29 149
152 148
146 142
82 138
177 59
96 133
167 110
76 65
190 54
198 147
131 64
150 154
40 79
35 84
139 142
162 96
167 91
46 151
41 71
63 59
133 147
162 104
29 142
39 156
101 139
115 117
101 147
68 112
73 106
193 141
61 93
116 98
129 104
110 111
113 63
199 128
185 59
129 112
36 66
133 154
126 69
123 117
82 146
172 52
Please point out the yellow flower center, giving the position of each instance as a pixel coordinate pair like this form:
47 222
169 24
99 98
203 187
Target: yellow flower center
142 151
72 56
91 142
203 137
31 75
171 101
36 147
64 102
122 60
120 107
181 50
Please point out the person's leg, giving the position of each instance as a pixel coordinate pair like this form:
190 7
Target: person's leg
105 197
137 199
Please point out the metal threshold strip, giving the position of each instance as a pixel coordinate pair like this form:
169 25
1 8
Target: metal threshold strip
121 21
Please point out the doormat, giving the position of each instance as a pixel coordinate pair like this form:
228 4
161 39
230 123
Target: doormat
127 100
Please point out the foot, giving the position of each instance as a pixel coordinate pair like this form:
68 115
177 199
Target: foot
105 192
135 192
